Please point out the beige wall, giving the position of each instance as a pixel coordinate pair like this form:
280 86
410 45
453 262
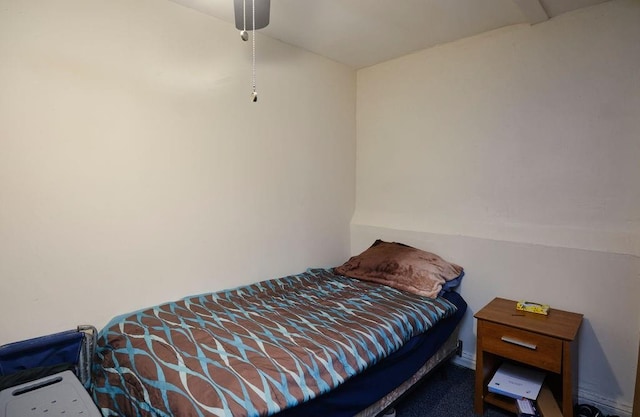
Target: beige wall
515 154
525 134
134 169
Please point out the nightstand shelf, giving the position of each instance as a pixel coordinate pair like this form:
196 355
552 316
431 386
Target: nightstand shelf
544 342
500 401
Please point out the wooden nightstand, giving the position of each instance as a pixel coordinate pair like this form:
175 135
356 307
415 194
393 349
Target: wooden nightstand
545 342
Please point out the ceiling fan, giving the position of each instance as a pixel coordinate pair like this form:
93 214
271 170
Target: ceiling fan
244 13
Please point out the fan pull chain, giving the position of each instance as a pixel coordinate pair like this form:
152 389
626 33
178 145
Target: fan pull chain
254 95
243 33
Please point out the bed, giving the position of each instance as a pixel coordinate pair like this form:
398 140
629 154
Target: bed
316 343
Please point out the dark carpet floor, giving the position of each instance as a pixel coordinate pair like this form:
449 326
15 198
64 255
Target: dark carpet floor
447 392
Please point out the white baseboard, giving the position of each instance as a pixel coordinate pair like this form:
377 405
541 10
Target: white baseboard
466 360
607 405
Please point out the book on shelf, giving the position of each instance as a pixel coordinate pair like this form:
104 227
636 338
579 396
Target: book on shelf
516 382
527 408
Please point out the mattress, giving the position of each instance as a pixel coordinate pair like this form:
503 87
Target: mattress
374 390
257 349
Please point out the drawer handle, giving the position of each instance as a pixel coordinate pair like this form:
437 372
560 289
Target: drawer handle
519 343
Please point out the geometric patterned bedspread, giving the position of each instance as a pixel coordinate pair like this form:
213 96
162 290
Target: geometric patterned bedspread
256 349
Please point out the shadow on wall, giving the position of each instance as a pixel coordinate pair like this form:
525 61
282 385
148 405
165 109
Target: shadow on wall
594 366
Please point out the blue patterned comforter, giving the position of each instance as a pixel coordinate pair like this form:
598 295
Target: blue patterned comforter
253 350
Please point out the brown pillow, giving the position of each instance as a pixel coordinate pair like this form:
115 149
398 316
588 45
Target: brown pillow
402 267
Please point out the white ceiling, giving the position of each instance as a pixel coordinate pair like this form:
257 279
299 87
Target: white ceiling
360 33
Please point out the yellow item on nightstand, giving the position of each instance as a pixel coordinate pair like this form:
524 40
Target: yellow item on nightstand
532 307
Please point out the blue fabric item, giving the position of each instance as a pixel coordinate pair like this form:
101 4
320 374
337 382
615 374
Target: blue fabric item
365 389
50 350
453 284
28 375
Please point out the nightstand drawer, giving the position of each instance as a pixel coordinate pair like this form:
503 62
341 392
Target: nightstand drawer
527 347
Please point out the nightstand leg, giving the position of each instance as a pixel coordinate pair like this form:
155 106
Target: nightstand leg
478 406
